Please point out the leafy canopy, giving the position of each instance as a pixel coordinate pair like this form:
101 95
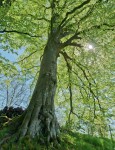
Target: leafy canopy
84 74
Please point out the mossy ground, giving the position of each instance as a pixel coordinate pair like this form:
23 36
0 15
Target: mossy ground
69 141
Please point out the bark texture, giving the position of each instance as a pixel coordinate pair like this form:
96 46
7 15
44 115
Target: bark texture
40 119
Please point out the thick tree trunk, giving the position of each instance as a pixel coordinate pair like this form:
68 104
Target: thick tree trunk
40 119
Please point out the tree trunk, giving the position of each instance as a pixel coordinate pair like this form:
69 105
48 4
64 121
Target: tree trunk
40 119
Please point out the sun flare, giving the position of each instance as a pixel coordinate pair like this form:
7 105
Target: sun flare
90 46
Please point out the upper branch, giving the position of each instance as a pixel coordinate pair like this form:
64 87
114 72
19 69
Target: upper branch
53 13
74 9
18 32
41 18
110 27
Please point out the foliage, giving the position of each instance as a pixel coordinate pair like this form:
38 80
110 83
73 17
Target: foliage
85 76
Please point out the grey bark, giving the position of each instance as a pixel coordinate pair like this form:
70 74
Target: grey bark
40 119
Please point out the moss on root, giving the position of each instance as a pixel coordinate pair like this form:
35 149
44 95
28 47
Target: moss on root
69 141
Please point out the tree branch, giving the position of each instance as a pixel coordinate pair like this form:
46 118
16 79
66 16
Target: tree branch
66 57
19 32
70 43
42 18
25 57
74 9
111 27
89 87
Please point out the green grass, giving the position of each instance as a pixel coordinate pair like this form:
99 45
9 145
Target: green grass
69 141
88 142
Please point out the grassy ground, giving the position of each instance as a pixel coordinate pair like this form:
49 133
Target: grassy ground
69 141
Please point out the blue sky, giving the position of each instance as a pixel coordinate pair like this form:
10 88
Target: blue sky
10 56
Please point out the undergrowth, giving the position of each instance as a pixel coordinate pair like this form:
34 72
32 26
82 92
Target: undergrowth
69 141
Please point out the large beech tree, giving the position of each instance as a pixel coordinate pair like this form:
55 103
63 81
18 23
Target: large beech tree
55 29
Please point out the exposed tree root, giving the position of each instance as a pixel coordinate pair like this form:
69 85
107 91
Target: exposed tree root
44 126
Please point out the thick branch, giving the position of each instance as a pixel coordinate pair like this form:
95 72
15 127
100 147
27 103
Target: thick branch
70 43
53 14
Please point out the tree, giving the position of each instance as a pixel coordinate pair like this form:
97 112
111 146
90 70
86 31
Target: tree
14 91
64 27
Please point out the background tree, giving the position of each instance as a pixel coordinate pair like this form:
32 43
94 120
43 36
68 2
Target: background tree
14 92
64 28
